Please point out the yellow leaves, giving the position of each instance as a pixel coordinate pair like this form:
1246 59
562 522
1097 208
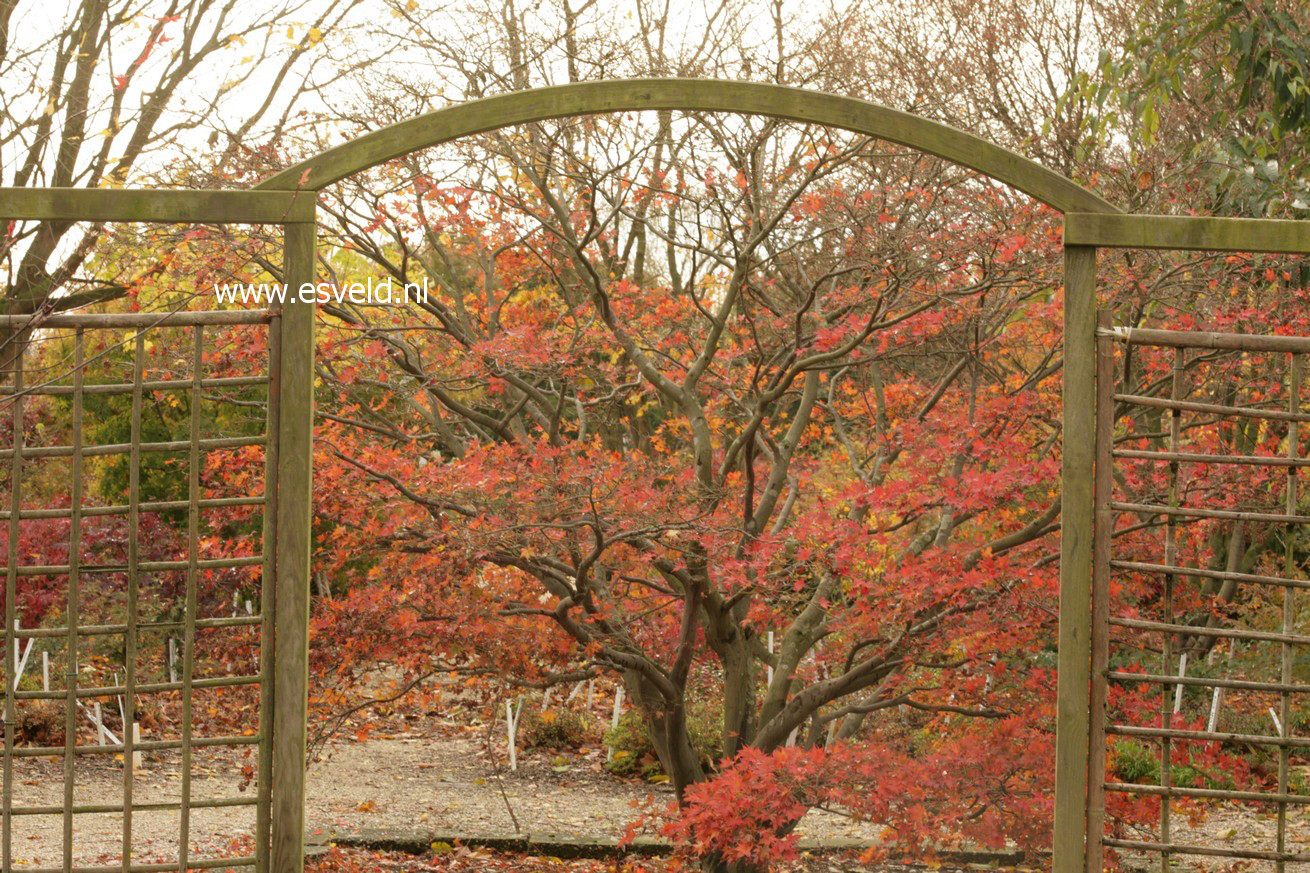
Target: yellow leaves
315 36
440 847
411 6
236 39
366 806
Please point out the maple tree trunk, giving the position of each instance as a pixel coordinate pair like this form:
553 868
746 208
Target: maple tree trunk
667 726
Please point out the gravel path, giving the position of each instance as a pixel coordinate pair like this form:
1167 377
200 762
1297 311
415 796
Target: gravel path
415 782
405 783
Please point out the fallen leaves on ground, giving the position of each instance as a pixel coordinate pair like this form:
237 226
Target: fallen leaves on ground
461 859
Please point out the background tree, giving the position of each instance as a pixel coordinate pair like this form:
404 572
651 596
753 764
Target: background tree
151 92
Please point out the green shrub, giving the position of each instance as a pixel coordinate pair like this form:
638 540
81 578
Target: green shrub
1134 762
552 729
1137 763
634 754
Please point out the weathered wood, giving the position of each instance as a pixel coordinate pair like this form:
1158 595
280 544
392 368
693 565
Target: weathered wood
192 596
1167 601
10 613
1100 635
223 864
196 205
1175 457
103 808
1210 574
1214 408
1208 793
294 521
74 596
145 506
1125 730
180 318
1206 682
143 566
142 687
1185 232
128 448
128 702
1230 633
1076 476
704 95
268 600
1241 342
1198 512
1289 604
149 385
1167 848
144 746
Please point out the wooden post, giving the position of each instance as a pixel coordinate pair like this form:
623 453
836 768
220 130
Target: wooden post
294 519
1100 629
1074 662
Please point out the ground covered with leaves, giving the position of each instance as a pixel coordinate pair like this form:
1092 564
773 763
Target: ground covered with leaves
460 859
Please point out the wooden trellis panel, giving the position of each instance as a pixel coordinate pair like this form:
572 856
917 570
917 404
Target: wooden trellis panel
275 622
1095 624
1169 624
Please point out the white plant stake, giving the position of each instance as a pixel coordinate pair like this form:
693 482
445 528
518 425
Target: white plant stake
614 719
591 692
172 659
769 668
1178 689
102 733
1217 699
20 663
1278 725
512 715
45 671
136 741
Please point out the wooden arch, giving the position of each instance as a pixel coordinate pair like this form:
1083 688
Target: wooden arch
690 95
288 199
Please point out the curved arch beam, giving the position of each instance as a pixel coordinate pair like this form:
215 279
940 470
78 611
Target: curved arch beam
703 95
